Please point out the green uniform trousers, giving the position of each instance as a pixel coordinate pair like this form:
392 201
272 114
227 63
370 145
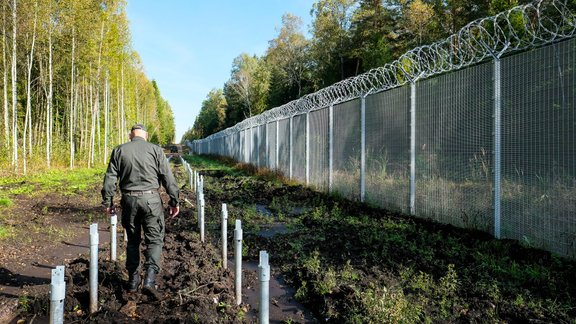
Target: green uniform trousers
143 213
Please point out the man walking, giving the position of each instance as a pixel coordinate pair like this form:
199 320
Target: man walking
140 167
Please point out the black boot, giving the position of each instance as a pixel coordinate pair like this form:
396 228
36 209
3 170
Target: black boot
133 281
149 287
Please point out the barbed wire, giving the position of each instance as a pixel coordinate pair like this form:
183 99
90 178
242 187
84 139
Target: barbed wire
529 26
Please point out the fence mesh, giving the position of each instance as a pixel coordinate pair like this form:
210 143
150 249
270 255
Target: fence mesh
346 172
271 146
284 146
388 149
538 147
299 147
454 127
262 158
319 149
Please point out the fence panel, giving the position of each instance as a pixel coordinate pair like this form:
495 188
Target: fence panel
346 173
319 149
388 149
284 146
299 148
454 128
271 145
262 158
538 147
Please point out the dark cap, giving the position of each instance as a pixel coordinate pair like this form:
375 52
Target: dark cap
138 126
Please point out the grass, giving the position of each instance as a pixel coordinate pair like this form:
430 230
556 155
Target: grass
60 181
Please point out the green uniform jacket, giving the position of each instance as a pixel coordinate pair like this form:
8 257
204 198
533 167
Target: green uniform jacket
138 165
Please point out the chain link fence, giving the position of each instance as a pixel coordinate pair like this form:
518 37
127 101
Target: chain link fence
477 131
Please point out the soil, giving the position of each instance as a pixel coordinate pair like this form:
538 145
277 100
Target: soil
336 265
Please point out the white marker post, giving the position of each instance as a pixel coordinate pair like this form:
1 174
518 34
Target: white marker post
224 236
264 276
57 295
94 240
113 223
238 261
202 219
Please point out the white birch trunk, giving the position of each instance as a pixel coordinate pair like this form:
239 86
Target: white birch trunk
123 124
71 127
106 118
28 117
49 119
14 94
6 127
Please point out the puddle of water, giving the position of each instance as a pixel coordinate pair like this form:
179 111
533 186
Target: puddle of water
269 230
263 210
283 308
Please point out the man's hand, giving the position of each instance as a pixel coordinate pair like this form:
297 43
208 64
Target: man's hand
174 211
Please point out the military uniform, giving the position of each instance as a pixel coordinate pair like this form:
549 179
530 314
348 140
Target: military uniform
140 168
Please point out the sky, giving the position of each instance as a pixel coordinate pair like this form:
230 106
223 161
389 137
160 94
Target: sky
188 46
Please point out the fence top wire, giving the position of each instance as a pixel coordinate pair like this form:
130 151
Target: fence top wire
529 26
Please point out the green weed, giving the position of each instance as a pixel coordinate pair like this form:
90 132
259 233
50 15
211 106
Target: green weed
6 202
6 232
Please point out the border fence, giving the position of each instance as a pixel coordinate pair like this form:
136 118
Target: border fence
477 131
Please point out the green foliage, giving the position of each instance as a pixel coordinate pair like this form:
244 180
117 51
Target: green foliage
5 232
6 202
211 117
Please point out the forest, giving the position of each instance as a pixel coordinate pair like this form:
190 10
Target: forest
347 38
71 85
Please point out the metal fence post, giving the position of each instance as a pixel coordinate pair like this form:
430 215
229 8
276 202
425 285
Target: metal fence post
202 219
330 147
412 148
264 277
113 225
267 155
291 146
497 144
362 148
57 295
93 274
224 236
277 149
238 261
307 148
257 144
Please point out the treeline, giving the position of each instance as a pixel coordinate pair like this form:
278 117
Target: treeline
71 84
348 37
